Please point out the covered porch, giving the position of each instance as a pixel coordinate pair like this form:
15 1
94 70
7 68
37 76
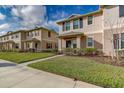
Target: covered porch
72 40
32 45
8 45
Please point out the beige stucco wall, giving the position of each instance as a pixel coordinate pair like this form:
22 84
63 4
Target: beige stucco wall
97 25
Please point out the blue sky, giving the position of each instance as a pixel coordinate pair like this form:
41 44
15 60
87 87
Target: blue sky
13 18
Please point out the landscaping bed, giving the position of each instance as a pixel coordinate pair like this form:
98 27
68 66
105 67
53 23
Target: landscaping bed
84 69
23 57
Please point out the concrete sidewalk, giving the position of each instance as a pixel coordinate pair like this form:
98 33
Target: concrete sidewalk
17 75
38 60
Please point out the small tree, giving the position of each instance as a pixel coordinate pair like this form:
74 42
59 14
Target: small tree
118 29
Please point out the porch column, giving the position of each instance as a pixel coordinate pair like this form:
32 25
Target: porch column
78 41
59 44
25 45
63 43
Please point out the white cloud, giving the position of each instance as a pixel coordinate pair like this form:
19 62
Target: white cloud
51 25
4 26
2 33
2 17
30 15
60 14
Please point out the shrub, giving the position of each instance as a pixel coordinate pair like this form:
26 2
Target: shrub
90 51
50 50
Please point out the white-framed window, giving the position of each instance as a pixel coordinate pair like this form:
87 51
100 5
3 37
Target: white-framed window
90 20
81 22
90 42
67 26
75 24
116 41
122 40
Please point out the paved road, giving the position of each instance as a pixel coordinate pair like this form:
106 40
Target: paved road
21 76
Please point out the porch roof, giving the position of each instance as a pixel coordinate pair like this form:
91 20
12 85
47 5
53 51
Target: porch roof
31 40
9 41
71 34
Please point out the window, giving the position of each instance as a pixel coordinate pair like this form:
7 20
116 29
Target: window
121 11
81 22
28 34
75 24
116 41
122 40
68 44
67 26
49 34
89 42
7 37
12 37
36 33
63 27
17 36
49 45
4 38
90 20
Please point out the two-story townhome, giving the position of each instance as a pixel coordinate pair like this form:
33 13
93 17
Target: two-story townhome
11 40
93 30
37 39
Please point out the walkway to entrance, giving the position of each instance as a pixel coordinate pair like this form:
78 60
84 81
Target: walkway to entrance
21 76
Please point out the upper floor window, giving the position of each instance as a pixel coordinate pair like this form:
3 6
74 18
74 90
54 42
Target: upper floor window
49 34
36 33
75 24
81 22
17 36
12 37
90 20
89 42
67 26
7 37
4 38
63 26
1 39
121 10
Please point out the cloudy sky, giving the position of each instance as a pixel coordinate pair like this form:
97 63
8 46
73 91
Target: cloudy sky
14 18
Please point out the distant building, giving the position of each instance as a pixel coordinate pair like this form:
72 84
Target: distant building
37 39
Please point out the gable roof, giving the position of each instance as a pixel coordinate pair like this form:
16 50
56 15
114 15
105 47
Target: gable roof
37 28
73 15
78 16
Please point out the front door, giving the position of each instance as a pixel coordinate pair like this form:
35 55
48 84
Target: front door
36 45
71 44
68 44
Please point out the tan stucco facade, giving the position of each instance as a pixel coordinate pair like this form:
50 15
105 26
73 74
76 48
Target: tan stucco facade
105 23
36 39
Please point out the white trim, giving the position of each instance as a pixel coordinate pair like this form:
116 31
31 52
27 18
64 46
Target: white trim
93 32
92 20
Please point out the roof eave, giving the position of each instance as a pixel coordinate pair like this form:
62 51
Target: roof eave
84 15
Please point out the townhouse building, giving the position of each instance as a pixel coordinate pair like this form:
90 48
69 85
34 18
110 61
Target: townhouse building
38 39
96 29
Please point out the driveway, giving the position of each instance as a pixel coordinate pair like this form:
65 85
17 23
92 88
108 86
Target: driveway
21 76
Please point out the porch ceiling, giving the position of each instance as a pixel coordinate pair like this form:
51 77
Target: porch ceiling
31 40
9 41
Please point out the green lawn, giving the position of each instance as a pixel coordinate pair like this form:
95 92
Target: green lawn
84 69
23 57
